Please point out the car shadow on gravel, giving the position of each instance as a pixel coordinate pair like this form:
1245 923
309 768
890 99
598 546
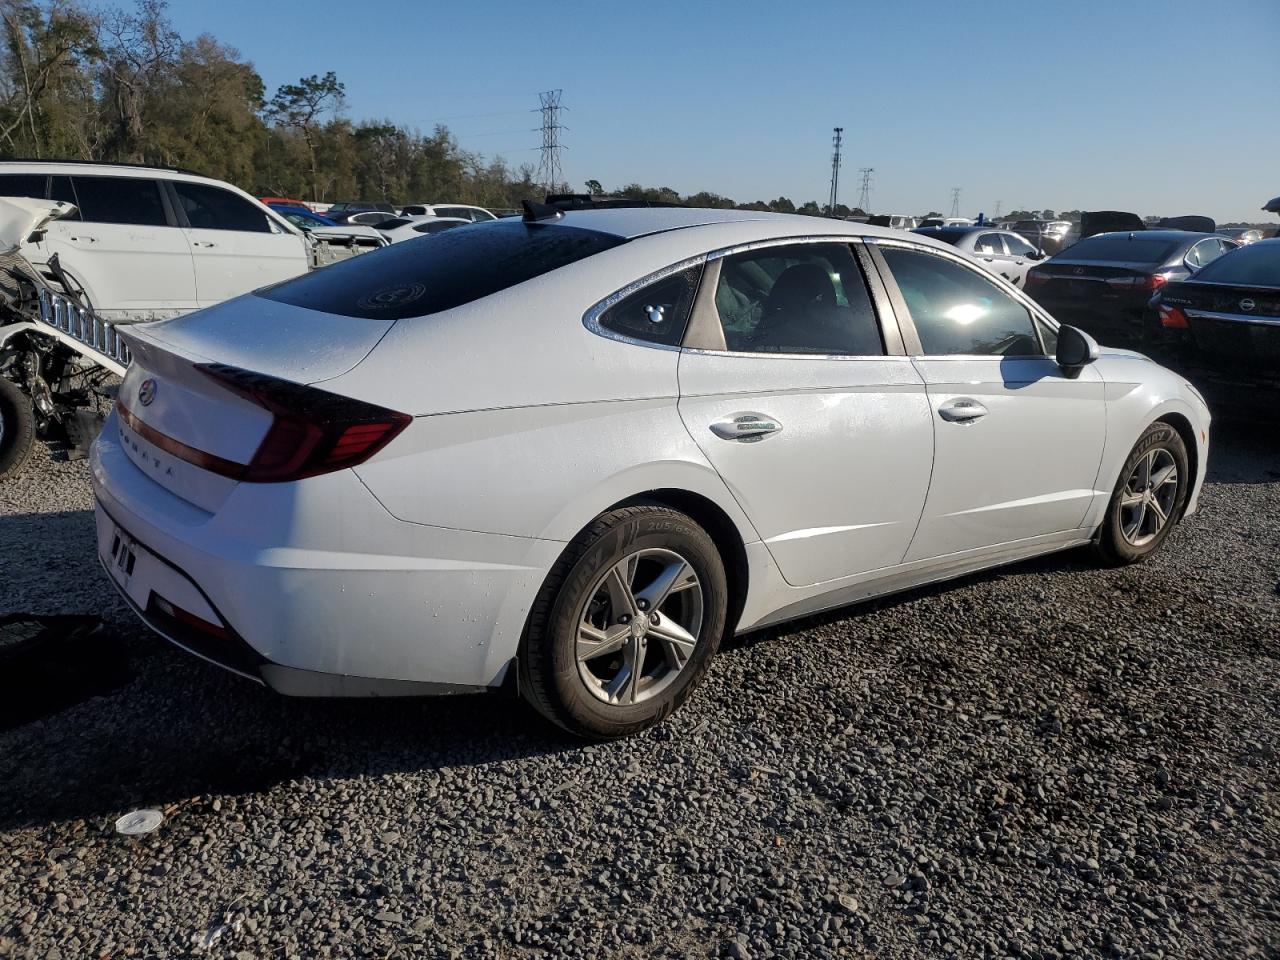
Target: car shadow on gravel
225 736
1241 451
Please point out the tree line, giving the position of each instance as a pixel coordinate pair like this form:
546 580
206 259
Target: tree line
121 85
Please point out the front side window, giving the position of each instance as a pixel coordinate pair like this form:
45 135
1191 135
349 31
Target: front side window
1017 246
127 200
212 208
658 312
956 310
799 298
989 243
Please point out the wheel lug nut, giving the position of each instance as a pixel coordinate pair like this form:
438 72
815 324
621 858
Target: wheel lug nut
625 618
653 618
642 604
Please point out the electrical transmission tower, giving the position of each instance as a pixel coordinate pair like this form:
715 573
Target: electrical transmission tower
550 175
999 204
864 194
835 171
955 201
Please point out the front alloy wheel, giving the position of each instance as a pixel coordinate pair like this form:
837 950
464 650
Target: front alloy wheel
1149 495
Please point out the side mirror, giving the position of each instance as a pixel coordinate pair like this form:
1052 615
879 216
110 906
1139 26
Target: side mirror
1036 255
1076 349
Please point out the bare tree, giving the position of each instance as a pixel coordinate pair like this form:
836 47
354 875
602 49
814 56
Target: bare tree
301 106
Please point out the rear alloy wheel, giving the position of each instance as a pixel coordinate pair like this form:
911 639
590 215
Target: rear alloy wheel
627 623
1148 499
17 429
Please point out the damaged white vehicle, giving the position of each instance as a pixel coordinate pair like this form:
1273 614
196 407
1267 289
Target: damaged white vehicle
87 247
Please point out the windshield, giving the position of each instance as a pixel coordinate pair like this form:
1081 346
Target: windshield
1256 265
1122 248
440 272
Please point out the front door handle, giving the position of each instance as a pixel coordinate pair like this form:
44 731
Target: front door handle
746 427
203 243
962 410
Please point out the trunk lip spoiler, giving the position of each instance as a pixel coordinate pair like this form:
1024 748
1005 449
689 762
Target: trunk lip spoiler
185 452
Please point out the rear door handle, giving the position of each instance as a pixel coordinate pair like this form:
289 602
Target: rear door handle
203 243
80 238
962 410
746 427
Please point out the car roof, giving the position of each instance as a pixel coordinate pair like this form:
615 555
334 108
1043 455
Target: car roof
958 230
72 167
1172 235
632 222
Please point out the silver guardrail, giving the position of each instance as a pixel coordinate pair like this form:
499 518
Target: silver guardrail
84 327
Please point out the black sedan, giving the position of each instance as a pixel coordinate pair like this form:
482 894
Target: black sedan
1104 283
1227 317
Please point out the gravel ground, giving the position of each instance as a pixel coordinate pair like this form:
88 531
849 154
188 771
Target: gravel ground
1046 761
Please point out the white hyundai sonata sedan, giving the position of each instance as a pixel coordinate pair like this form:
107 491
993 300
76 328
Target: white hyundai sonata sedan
572 452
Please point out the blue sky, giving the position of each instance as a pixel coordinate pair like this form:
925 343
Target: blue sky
1166 108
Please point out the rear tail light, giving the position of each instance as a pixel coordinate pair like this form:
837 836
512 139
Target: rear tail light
1172 318
312 431
1138 282
187 618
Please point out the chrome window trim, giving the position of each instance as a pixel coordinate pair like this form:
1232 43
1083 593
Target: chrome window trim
1233 317
845 238
794 356
591 319
1034 309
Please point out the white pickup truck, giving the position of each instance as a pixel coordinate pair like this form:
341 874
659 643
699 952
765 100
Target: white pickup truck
86 248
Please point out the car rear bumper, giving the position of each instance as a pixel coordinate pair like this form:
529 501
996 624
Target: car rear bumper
313 588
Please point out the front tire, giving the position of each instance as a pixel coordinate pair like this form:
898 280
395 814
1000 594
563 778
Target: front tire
627 623
1149 497
17 429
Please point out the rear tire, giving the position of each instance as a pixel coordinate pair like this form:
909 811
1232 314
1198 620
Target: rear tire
642 584
17 429
1149 497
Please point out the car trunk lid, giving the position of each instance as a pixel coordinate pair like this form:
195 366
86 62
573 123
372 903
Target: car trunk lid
191 412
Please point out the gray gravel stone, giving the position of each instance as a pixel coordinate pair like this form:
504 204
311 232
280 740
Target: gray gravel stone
1054 759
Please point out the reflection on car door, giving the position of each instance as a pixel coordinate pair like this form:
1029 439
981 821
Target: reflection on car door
1017 443
824 440
122 245
1017 259
235 246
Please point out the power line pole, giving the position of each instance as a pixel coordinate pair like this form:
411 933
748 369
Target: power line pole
864 194
835 171
955 201
999 204
550 174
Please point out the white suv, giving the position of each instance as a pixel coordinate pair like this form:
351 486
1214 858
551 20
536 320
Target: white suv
147 243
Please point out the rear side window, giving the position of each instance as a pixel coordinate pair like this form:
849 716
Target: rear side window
414 211
957 310
23 185
441 272
129 200
802 298
212 208
656 313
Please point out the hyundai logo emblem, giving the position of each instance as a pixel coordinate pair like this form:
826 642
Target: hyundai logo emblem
147 392
1079 269
1246 304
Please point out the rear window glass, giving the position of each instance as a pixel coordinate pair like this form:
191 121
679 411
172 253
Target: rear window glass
441 272
1257 265
1119 248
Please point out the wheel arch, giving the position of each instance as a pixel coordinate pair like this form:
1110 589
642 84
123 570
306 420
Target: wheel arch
1182 425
